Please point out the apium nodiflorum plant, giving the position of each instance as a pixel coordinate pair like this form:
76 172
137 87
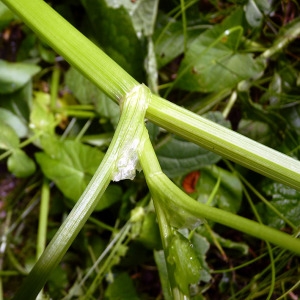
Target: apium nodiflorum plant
137 103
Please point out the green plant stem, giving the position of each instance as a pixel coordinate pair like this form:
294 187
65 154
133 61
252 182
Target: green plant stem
115 82
3 245
230 104
225 142
54 87
272 263
43 219
178 202
246 264
15 263
184 23
166 235
208 102
21 145
66 233
103 225
289 35
289 291
83 130
128 130
108 263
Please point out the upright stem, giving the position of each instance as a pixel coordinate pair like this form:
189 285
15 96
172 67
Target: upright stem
43 219
127 132
225 142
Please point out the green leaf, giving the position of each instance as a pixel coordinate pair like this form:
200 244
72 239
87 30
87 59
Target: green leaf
14 122
169 39
151 68
20 164
178 157
87 93
149 234
9 139
284 199
292 116
114 31
121 288
201 246
212 62
72 168
58 281
46 53
229 194
19 103
169 42
112 194
255 10
143 14
185 264
258 131
15 75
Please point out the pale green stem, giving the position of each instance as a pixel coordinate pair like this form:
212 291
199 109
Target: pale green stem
209 101
54 87
289 35
225 142
180 203
270 251
83 130
230 104
286 294
128 130
107 264
184 23
166 235
67 232
43 219
3 245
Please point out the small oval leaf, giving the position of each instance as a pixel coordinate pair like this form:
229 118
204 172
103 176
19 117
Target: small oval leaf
20 164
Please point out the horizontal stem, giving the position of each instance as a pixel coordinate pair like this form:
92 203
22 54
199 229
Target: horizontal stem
225 142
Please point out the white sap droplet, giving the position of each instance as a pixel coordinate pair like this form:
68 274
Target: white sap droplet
126 164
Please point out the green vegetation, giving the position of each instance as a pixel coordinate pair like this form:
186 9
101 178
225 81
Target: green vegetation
110 191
